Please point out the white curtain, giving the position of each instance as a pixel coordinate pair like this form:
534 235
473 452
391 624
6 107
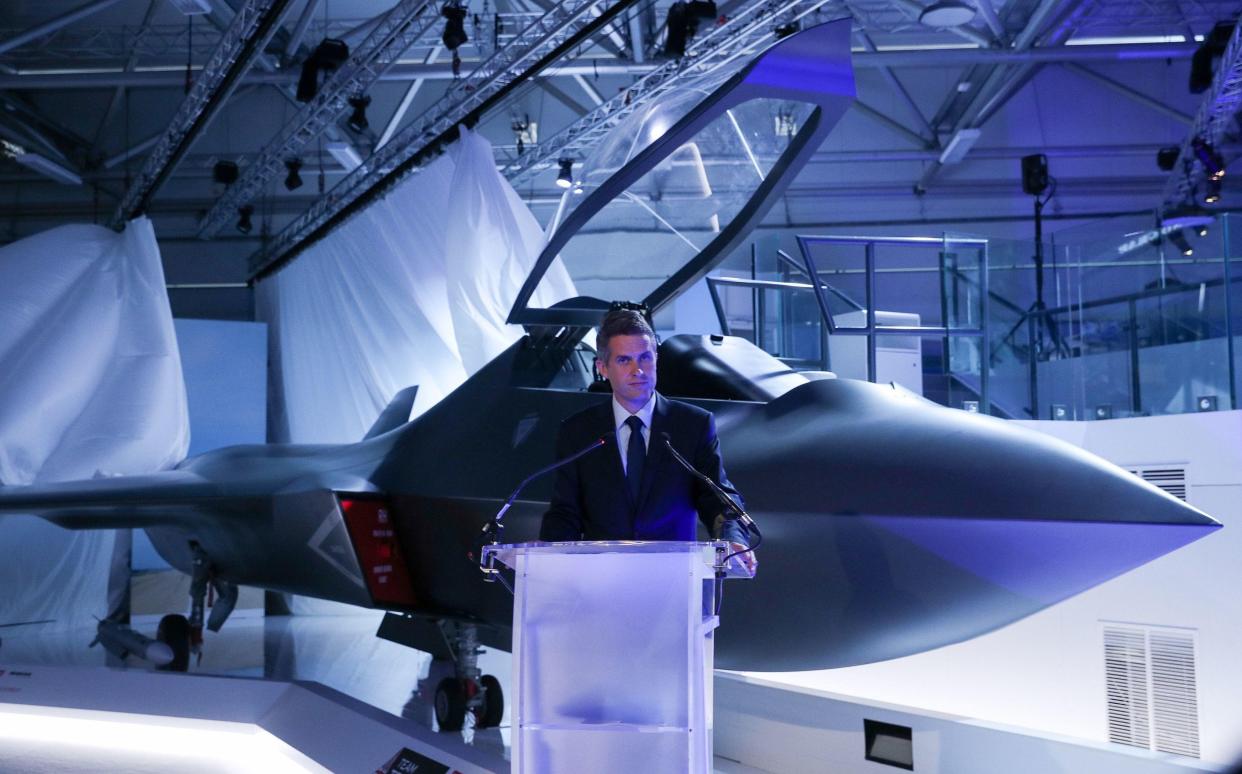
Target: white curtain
92 387
414 290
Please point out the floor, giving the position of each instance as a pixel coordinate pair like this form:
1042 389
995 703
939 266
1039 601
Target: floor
339 651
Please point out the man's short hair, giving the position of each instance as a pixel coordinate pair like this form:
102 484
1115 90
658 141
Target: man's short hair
620 322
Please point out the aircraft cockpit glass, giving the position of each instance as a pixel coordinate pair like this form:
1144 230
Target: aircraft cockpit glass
669 215
682 181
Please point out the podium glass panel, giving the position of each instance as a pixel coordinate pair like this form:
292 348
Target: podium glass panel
612 655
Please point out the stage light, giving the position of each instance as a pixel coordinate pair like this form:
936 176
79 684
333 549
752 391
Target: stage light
1179 241
1202 230
293 180
224 172
1212 196
327 56
566 178
243 218
358 119
454 13
946 14
1166 158
1213 164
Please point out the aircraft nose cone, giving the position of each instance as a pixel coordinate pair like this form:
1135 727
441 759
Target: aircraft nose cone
906 526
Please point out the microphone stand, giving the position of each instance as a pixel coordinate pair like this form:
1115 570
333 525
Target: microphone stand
740 515
493 530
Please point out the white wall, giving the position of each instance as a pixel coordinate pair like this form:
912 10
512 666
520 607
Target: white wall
1047 671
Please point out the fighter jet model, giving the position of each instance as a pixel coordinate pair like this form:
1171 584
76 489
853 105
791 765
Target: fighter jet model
892 525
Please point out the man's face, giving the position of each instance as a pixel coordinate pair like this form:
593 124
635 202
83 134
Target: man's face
631 369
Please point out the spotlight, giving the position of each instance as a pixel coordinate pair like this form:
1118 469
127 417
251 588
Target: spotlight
1212 48
327 56
1166 158
1212 196
1202 230
947 14
243 218
358 119
787 29
224 172
566 178
1179 241
454 12
1208 156
293 180
683 23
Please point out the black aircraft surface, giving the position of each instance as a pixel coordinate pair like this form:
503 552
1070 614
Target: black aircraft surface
891 525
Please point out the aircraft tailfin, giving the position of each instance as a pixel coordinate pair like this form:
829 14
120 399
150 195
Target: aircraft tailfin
395 414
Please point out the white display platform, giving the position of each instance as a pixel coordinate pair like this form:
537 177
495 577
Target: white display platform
110 719
613 655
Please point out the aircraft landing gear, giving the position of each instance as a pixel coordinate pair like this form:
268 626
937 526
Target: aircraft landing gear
226 600
469 691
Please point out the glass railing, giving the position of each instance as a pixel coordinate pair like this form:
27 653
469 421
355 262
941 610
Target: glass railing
1134 321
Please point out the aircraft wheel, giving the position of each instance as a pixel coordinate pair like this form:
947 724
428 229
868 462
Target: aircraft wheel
450 704
174 631
494 709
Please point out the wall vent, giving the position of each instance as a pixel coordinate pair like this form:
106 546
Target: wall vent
1170 478
1150 688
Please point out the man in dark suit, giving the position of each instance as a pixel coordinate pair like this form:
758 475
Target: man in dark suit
633 489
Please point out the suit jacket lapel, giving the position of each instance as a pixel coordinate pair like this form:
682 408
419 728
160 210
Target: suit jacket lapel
655 449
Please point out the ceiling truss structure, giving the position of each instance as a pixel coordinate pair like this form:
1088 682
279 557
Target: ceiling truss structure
583 79
253 25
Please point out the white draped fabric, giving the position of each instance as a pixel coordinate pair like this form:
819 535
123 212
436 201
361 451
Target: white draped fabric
413 290
92 387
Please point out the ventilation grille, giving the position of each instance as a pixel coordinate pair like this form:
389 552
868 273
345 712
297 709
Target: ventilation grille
1151 697
1170 478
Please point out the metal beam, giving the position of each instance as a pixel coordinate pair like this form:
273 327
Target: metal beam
544 41
932 58
560 96
1133 94
48 27
992 20
891 123
299 29
406 100
930 139
244 40
589 88
404 23
115 103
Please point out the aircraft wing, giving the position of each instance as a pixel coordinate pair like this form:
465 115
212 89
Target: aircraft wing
170 497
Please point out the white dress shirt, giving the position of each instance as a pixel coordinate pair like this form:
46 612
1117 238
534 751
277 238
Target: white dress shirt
620 414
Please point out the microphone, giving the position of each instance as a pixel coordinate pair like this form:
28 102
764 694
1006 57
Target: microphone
493 529
747 522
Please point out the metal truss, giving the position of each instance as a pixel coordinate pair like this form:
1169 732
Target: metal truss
408 21
242 42
751 29
564 25
1212 123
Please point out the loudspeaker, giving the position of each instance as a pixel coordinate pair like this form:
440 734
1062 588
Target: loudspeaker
1035 174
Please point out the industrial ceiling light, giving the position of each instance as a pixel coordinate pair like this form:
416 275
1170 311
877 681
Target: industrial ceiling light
1179 241
1209 157
225 172
243 218
947 13
1212 194
454 13
327 56
358 119
566 178
293 180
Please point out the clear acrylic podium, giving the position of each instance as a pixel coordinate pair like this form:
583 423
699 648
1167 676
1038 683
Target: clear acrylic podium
613 654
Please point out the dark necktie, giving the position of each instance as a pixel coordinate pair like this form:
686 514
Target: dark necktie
635 455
